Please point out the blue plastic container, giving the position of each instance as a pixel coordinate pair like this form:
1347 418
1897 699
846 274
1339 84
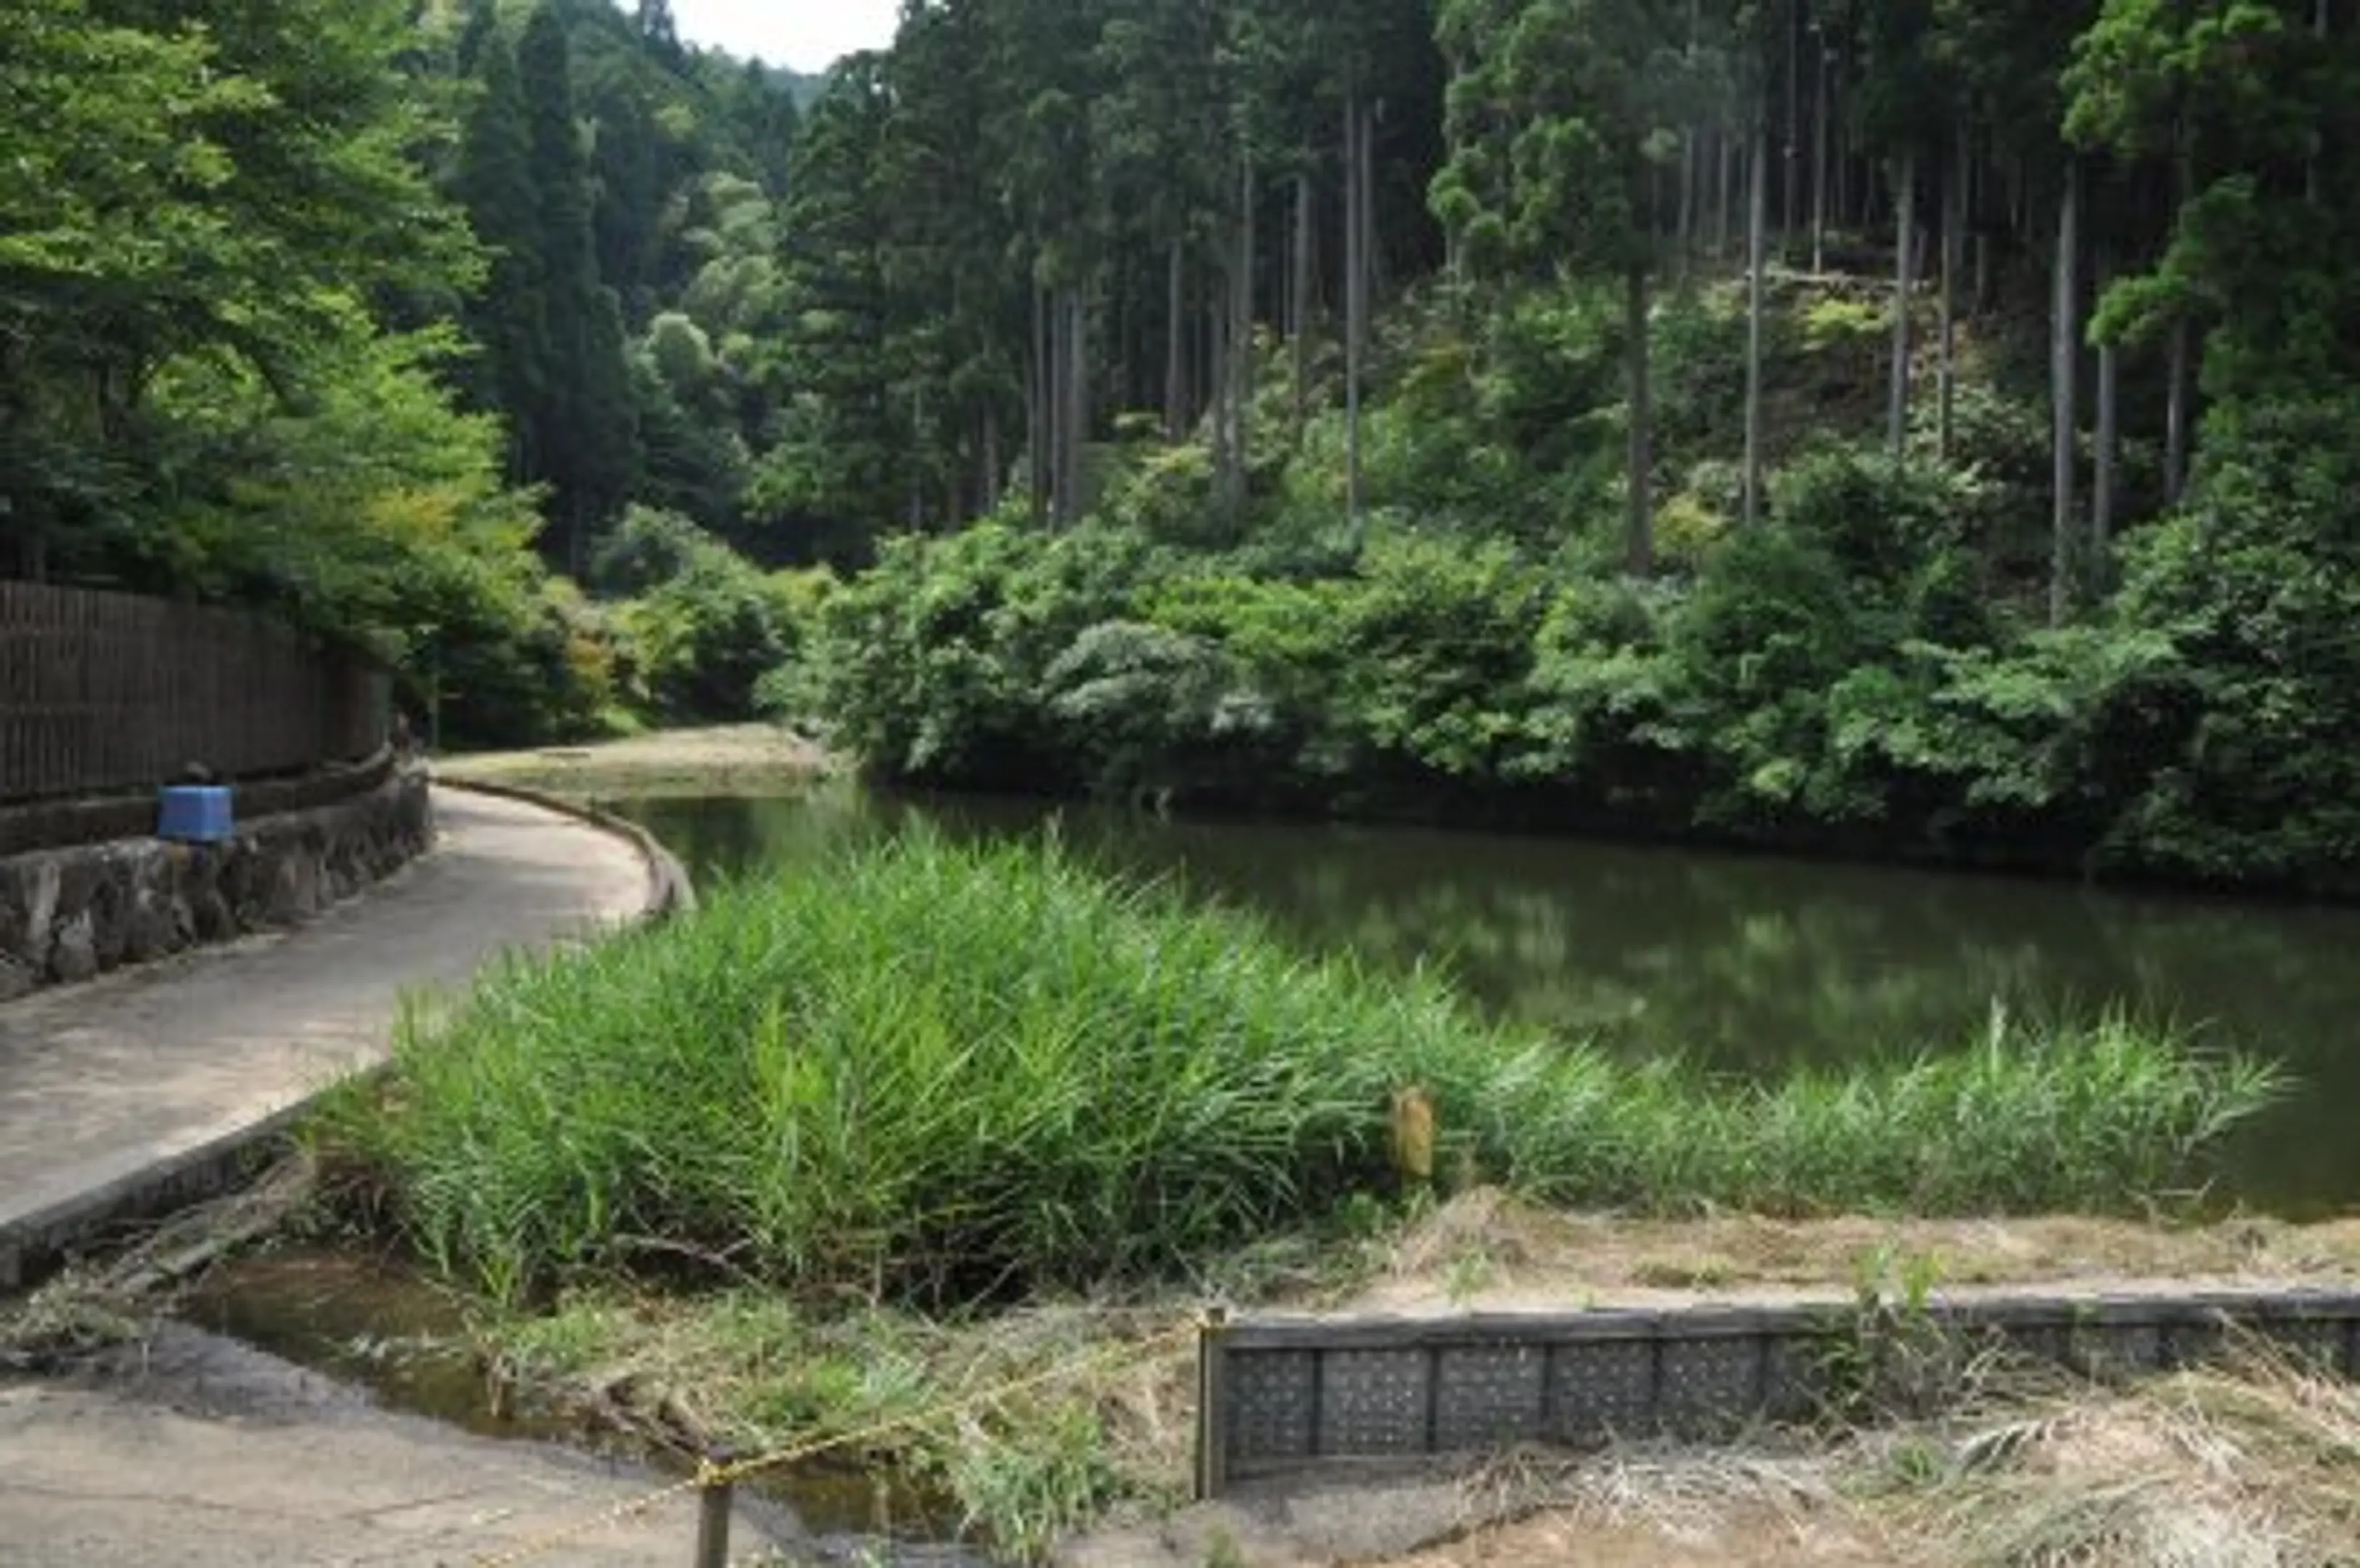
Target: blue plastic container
195 813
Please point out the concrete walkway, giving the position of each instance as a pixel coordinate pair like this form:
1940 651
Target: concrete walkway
200 1453
192 1449
111 1091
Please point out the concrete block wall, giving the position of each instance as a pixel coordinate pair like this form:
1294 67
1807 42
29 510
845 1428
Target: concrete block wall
1283 1396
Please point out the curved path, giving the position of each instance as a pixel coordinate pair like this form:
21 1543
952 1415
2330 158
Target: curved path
131 1082
192 1449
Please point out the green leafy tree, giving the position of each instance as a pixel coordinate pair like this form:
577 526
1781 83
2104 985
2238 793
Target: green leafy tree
223 183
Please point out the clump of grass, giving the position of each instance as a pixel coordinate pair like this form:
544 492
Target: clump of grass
958 1071
1028 1425
2095 1117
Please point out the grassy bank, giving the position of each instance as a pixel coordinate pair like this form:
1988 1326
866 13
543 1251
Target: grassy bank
945 1072
1101 1419
832 1150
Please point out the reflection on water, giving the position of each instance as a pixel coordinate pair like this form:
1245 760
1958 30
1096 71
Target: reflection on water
1744 964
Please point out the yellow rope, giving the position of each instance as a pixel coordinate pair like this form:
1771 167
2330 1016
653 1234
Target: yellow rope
711 1475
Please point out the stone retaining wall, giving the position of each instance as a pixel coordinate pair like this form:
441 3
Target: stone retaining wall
67 915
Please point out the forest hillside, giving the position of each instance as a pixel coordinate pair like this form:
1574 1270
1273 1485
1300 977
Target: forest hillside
1908 427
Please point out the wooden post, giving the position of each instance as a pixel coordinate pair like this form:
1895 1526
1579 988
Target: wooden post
1212 1448
714 1502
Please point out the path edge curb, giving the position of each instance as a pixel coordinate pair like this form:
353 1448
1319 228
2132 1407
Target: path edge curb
670 892
38 1245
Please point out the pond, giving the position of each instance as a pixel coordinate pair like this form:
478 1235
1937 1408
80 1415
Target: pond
1747 965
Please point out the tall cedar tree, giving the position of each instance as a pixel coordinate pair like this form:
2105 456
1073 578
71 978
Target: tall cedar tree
584 433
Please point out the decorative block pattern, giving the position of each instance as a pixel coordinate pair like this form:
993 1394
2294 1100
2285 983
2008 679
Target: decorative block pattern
1491 1397
2316 1344
1601 1390
2119 1344
1270 1409
1373 1403
1795 1374
2193 1334
1713 1384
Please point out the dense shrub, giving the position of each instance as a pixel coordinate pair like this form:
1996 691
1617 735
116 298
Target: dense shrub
934 665
2256 586
1870 668
704 625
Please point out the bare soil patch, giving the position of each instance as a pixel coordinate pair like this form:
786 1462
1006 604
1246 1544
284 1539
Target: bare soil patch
726 760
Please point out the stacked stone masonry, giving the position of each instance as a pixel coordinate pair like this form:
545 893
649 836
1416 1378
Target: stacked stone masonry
67 915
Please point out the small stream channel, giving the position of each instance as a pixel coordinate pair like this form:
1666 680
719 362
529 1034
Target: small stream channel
377 1325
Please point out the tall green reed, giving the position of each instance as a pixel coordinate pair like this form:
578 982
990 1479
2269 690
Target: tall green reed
950 1071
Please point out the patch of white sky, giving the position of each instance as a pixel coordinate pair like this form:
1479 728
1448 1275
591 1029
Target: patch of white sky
807 35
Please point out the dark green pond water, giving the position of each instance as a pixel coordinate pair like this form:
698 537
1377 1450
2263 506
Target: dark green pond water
1748 966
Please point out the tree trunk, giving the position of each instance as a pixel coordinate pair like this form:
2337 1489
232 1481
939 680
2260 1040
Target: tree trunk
1954 222
1691 178
1242 320
2103 485
1077 399
1372 249
1820 170
2064 364
1641 542
1756 240
1037 405
1905 248
989 489
1724 179
2182 349
1355 307
1176 345
1300 287
1789 185
1844 184
1055 389
1218 348
917 471
1692 153
2319 31
1123 389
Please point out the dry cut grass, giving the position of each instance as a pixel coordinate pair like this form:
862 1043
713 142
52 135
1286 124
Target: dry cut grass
1485 1249
2251 1463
